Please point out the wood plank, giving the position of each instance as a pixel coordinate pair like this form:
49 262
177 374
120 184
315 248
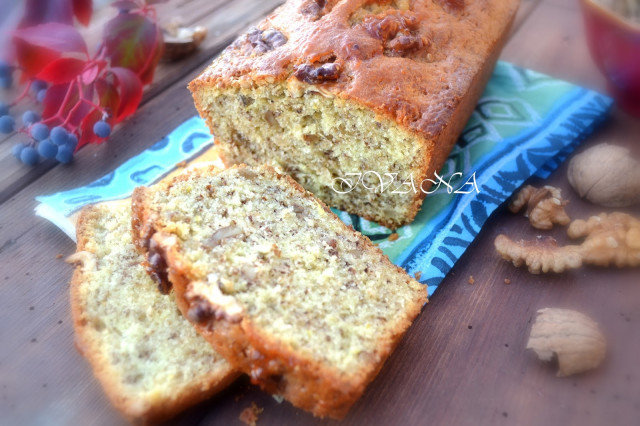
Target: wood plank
224 21
443 372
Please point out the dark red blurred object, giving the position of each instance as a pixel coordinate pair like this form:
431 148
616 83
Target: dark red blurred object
614 43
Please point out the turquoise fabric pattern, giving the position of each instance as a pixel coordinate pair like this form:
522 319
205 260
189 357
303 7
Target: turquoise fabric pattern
525 124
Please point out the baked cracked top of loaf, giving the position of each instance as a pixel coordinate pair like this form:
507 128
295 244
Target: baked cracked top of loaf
410 60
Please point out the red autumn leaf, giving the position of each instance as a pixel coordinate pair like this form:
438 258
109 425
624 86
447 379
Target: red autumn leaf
147 74
62 70
39 12
131 41
108 96
86 128
53 36
79 111
82 9
130 91
54 97
32 59
90 73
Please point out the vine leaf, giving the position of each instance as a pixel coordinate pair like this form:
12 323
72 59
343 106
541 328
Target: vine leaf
130 91
108 96
53 99
83 9
133 41
53 36
32 59
86 128
62 70
90 73
38 12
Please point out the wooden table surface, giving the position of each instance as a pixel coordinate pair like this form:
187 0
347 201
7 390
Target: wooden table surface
463 361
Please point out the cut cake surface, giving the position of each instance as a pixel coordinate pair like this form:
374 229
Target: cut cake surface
150 360
290 295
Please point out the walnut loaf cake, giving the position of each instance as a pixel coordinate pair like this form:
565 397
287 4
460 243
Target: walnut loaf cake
324 88
289 294
148 357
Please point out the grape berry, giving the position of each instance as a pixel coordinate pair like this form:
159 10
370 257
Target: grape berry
65 154
17 149
102 129
39 131
47 149
59 135
29 118
29 156
7 124
41 94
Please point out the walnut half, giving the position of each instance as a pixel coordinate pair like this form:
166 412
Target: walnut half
609 239
540 255
574 338
545 206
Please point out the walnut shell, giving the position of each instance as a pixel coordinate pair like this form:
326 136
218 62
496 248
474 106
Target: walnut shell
574 338
606 175
181 41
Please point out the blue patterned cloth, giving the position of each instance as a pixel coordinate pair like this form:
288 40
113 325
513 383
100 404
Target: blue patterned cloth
525 124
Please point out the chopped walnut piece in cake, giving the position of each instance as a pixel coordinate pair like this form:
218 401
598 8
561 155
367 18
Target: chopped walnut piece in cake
540 255
318 74
610 239
545 206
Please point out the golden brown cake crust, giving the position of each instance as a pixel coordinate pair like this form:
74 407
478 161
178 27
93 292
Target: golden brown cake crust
149 414
414 65
308 384
420 63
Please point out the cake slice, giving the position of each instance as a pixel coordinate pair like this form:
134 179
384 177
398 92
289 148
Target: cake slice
373 91
289 294
150 360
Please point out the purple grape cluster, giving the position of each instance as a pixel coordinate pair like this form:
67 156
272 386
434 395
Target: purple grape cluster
48 143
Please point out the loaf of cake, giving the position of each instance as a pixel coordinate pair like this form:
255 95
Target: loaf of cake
150 360
289 294
358 100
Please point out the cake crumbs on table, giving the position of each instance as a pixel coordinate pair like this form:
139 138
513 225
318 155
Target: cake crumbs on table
249 415
394 236
507 281
183 163
418 275
471 280
59 256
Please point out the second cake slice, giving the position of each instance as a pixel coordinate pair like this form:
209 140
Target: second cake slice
276 282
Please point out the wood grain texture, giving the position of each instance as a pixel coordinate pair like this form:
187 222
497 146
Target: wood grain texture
463 361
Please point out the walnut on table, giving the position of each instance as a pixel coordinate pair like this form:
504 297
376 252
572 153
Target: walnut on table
540 255
545 206
609 239
574 338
